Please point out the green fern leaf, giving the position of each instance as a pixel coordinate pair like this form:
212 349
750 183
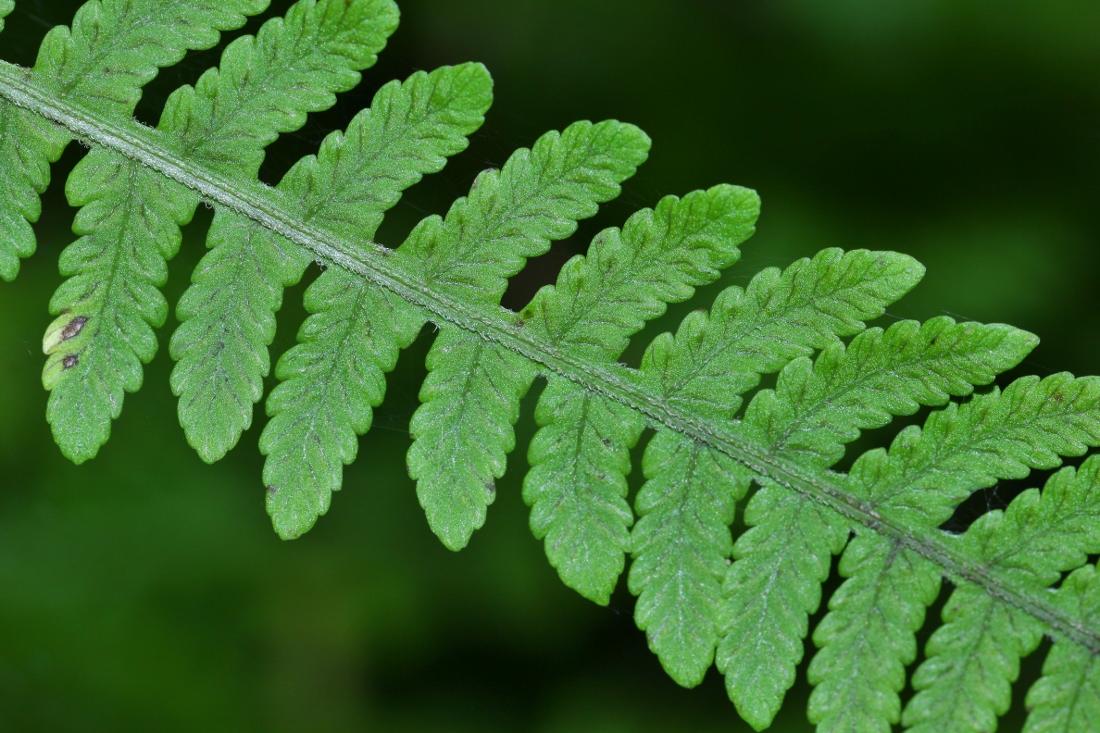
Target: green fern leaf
772 586
109 305
1067 696
130 217
222 349
598 302
131 222
228 312
713 360
463 429
819 406
332 380
626 279
974 657
814 410
28 145
705 368
962 449
514 213
682 545
577 486
868 637
1000 435
701 596
113 49
335 377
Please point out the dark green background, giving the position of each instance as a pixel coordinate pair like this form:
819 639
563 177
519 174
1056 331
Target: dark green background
145 590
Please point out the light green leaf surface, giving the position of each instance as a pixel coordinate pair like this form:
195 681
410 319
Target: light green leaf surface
707 365
869 637
463 430
771 588
627 277
265 86
230 116
576 487
409 130
1066 699
681 546
973 659
28 145
227 320
599 300
130 217
818 406
963 448
331 380
111 51
221 348
514 213
714 359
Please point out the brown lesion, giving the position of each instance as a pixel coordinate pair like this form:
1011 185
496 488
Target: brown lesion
70 361
73 329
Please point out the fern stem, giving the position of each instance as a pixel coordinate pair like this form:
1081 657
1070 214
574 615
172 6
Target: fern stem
374 262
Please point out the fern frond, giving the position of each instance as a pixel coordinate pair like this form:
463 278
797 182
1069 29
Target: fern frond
28 145
868 636
113 49
702 597
577 485
704 368
772 587
1067 696
811 414
463 429
819 406
222 349
1000 435
714 359
814 410
462 432
131 220
334 377
681 546
579 457
974 657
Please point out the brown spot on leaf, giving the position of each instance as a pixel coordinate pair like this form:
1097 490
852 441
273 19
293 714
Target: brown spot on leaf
491 487
70 361
74 328
272 491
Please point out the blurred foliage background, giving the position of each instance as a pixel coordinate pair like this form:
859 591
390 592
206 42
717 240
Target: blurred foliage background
145 590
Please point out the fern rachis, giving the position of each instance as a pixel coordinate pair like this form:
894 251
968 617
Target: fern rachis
836 379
